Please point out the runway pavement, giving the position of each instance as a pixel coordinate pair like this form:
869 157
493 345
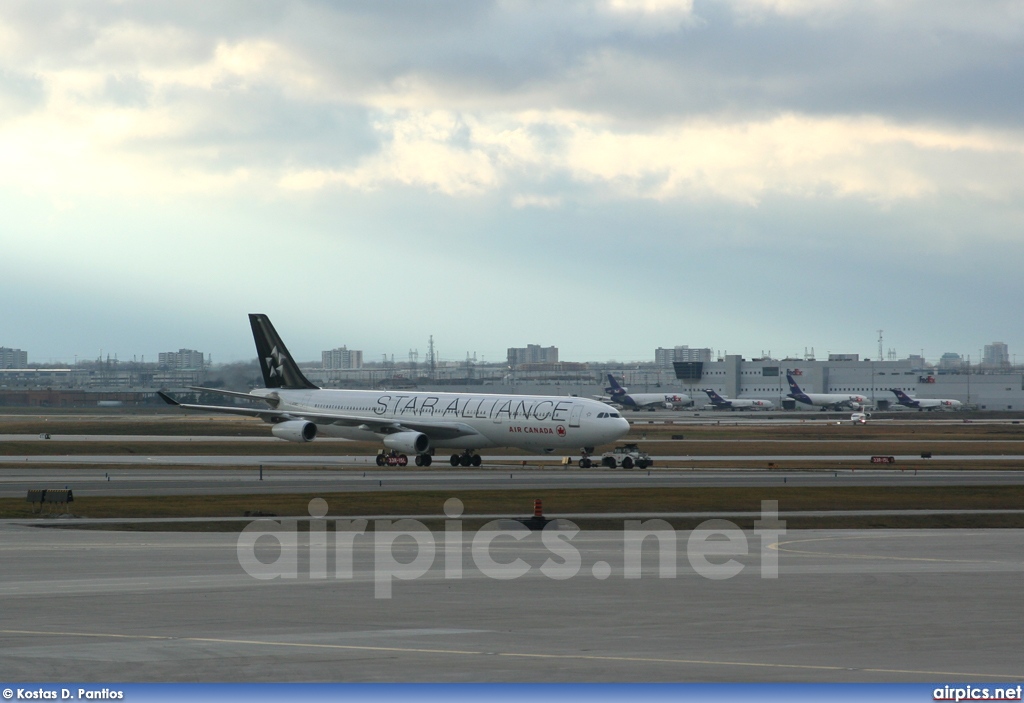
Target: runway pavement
845 606
131 481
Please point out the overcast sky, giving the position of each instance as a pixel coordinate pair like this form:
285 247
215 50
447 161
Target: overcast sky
605 177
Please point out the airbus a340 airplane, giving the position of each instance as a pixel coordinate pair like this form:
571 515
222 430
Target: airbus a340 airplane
836 401
926 403
412 422
639 401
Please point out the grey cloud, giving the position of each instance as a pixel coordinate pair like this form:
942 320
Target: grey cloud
127 90
20 92
936 61
260 127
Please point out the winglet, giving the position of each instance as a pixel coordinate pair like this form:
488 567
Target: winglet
167 399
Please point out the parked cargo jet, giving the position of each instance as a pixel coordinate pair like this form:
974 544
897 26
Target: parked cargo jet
411 422
721 403
926 403
836 401
639 401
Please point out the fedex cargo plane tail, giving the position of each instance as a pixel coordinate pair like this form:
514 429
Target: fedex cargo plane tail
715 398
902 397
613 387
794 390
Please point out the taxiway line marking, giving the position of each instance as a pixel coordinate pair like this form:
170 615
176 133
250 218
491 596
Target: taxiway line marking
535 655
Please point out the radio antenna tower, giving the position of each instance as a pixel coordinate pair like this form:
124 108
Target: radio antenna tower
431 359
881 355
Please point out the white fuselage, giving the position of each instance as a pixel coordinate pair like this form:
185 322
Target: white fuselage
521 421
650 400
933 404
747 404
851 400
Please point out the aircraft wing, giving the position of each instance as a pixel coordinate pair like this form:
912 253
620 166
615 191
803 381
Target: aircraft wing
436 429
221 391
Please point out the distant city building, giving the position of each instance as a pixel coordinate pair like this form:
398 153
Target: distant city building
663 357
951 360
917 361
996 354
342 358
13 358
532 354
182 359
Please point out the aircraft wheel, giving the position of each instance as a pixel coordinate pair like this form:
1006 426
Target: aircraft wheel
465 460
403 460
419 460
627 463
455 459
476 460
427 459
584 463
609 461
380 460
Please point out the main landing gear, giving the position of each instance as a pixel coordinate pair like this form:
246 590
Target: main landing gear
465 459
424 460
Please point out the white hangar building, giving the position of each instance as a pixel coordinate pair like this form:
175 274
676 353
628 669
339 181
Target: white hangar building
735 377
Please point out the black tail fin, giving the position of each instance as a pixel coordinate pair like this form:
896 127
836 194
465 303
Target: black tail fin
279 369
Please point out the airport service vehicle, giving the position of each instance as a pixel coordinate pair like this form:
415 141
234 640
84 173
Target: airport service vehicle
860 418
835 401
620 396
925 403
393 458
627 456
720 403
414 422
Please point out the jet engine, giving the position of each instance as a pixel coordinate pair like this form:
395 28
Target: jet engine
294 430
408 442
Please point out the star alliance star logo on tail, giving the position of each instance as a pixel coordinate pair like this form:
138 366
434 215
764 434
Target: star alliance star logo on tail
275 363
